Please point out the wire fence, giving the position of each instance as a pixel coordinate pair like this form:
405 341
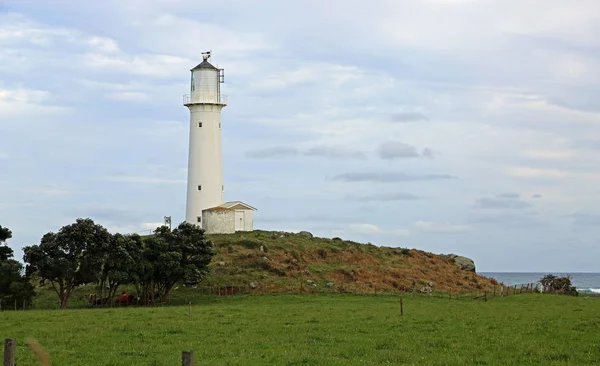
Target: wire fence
190 294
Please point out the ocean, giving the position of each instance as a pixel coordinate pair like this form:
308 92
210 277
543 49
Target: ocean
584 282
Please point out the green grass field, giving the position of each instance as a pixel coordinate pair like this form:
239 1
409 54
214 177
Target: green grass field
319 330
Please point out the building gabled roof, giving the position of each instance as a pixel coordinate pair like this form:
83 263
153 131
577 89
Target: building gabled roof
232 204
204 65
217 208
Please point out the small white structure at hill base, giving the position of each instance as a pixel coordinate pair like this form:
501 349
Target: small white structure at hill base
205 204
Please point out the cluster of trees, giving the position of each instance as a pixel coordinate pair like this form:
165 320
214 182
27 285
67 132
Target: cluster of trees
558 285
15 287
86 253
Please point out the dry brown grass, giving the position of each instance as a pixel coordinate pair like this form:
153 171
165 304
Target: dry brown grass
348 266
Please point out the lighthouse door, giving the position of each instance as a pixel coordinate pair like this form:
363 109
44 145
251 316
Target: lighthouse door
239 220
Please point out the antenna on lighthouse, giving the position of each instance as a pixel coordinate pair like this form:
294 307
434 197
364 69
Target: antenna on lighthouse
206 55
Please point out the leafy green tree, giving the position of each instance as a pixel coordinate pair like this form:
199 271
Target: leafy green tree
169 257
558 285
69 258
14 286
118 261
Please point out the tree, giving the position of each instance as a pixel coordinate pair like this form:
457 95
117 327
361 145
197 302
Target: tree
118 262
69 258
169 256
14 286
558 285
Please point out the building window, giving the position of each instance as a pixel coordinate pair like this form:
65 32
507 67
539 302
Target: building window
199 219
219 124
200 187
199 124
223 188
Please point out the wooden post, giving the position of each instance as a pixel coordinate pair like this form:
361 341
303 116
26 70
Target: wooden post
494 291
187 358
10 348
485 297
401 307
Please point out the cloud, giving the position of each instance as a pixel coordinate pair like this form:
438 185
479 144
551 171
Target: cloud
273 152
408 117
391 196
536 195
493 203
329 152
508 195
584 220
440 227
397 149
529 220
370 229
388 177
334 152
141 179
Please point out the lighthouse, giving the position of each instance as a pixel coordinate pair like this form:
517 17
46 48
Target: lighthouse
205 204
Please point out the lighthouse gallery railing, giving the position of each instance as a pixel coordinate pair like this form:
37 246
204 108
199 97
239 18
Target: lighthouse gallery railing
204 97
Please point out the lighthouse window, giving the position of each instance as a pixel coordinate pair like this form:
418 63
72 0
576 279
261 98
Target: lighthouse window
199 124
199 219
200 187
219 124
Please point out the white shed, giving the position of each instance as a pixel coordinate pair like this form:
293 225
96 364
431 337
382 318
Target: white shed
228 218
244 215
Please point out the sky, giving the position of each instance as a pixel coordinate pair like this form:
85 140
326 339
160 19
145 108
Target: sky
452 126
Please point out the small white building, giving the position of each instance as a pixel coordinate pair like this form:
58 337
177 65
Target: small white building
205 204
228 218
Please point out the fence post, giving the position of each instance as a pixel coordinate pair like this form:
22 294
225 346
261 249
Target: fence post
187 358
401 307
10 347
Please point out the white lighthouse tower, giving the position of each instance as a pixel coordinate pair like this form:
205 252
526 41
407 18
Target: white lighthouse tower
205 205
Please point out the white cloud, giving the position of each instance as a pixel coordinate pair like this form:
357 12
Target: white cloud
25 102
440 227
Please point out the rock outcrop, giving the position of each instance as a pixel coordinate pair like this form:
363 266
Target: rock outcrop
466 264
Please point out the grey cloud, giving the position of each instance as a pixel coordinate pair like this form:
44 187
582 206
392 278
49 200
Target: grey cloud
273 152
584 220
508 195
318 151
397 196
335 152
109 215
389 177
522 221
408 117
537 195
428 153
510 203
397 149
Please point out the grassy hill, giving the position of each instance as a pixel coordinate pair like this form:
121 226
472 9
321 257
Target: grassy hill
291 262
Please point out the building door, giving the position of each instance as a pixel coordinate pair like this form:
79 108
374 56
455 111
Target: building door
239 221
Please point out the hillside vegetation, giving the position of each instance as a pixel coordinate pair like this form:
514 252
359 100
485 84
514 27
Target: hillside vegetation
294 263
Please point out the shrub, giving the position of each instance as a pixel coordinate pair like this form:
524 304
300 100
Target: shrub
337 239
250 243
558 285
322 253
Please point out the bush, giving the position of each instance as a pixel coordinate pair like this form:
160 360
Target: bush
322 253
558 285
250 243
